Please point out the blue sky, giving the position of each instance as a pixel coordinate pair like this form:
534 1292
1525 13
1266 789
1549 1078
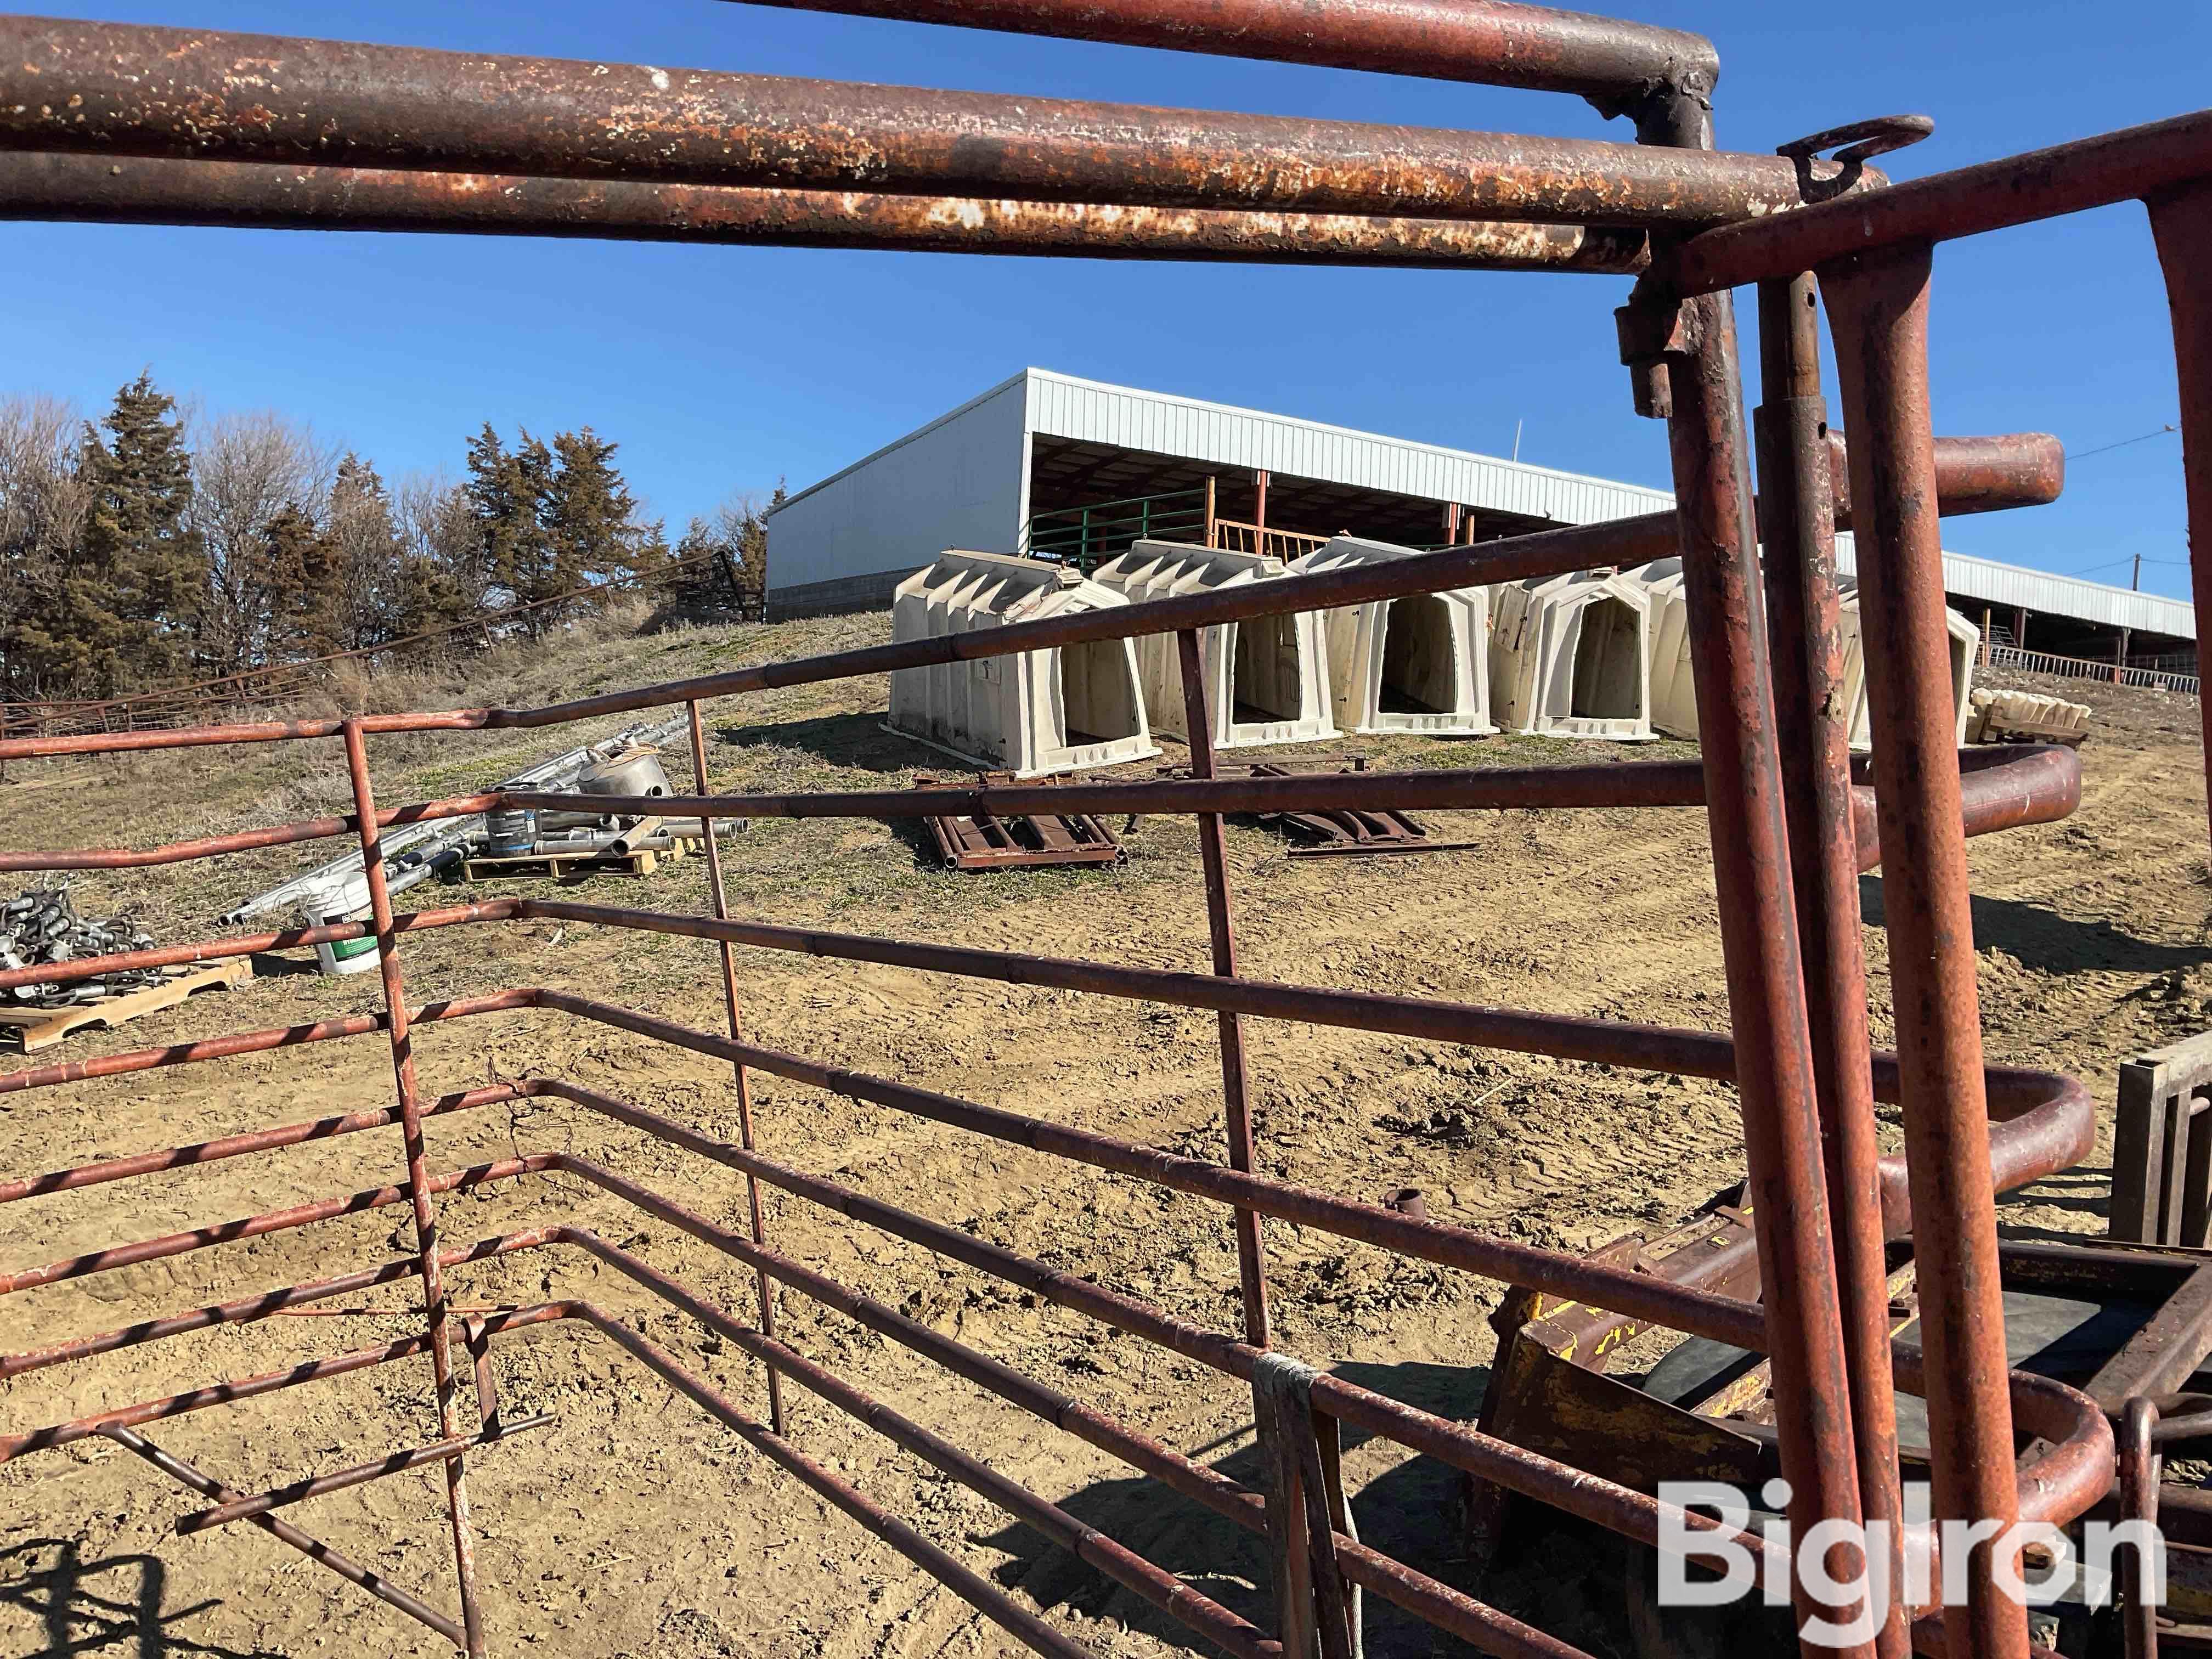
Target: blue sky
723 370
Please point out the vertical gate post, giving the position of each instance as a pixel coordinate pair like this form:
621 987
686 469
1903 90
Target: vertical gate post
1796 501
1878 306
418 1180
1765 974
737 1035
1237 1112
2182 225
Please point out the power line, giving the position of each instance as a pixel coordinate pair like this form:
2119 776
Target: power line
2083 454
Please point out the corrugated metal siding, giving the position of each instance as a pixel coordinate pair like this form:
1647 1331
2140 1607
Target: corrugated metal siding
1089 411
2011 586
955 483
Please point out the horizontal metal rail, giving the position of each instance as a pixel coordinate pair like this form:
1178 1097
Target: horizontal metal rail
2043 1121
257 196
2131 164
1605 59
111 88
299 1491
1233 1634
2013 785
2069 1421
2085 668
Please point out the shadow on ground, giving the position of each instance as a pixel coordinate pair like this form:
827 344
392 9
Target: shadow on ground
2042 939
1411 1513
856 741
110 1606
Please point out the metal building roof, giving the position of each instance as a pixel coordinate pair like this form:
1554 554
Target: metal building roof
1090 411
2012 587
1093 411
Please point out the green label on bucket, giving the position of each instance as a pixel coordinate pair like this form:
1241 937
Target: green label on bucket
343 948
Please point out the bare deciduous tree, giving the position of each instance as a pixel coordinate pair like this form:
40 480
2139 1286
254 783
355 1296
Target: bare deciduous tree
247 469
42 504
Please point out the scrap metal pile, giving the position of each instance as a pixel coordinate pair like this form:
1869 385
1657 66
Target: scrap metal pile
137 123
412 854
44 926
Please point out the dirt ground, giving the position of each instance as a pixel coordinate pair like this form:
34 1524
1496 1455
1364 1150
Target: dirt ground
633 1525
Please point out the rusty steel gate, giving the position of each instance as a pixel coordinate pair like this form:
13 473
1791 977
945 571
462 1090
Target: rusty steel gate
146 124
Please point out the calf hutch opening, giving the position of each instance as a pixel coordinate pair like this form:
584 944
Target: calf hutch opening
1571 657
1418 663
1266 678
1031 714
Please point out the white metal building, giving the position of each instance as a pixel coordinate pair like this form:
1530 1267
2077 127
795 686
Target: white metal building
1051 466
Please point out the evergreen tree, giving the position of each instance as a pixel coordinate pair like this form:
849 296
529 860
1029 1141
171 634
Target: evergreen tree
505 489
556 518
121 617
591 519
302 572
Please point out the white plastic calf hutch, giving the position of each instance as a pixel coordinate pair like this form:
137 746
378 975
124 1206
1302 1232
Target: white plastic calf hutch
1265 678
1674 694
1029 714
1966 646
1420 664
1571 657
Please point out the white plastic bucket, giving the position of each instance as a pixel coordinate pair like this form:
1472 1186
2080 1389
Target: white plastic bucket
344 900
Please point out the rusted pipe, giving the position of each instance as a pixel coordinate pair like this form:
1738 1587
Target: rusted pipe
1540 553
1786 1187
1973 474
1496 1258
2045 788
1088 1545
239 1043
247 944
743 1083
1812 716
279 834
2060 1419
969 1586
298 1492
109 1258
248 195
313 1548
1879 310
2182 224
2039 789
257 1140
2044 1121
233 1390
1221 932
266 1304
134 90
418 1176
2133 162
2138 1473
1615 64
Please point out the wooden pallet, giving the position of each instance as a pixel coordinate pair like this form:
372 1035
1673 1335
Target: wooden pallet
40 1027
566 866
1009 843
